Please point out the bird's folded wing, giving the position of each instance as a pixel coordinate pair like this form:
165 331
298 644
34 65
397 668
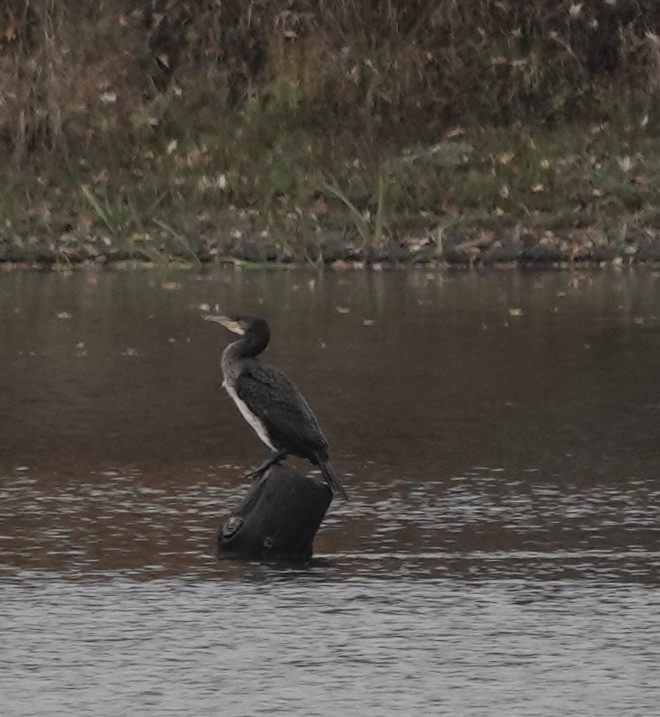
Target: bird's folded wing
273 398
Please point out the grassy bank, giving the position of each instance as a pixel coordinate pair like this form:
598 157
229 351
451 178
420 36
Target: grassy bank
309 131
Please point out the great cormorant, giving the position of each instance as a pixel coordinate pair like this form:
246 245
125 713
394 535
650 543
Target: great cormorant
269 401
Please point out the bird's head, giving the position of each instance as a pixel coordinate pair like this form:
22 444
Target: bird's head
247 326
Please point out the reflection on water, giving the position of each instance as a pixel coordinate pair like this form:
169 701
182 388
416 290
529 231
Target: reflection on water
479 525
500 553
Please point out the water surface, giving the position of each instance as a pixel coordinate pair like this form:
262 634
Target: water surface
498 436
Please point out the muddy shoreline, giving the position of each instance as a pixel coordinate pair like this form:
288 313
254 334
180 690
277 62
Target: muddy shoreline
510 248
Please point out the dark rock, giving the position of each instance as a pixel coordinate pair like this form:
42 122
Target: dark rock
503 253
648 251
546 254
454 256
249 250
253 250
333 249
598 254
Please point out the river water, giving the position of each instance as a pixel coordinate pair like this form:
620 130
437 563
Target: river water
498 436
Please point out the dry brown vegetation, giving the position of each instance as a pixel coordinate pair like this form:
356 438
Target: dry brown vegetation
292 113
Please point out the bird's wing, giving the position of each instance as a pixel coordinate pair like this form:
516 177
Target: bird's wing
272 397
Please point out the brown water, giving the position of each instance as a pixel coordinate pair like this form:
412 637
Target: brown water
498 435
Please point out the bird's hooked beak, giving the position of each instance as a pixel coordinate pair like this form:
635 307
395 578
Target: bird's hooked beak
228 323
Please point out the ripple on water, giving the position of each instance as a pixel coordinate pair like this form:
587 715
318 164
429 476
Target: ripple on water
318 647
480 525
499 554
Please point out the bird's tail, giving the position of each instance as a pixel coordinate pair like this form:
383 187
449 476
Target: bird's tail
332 479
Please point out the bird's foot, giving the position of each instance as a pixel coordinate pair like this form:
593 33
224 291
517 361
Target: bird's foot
273 460
256 473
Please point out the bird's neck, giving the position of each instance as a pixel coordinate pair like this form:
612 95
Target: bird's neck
245 348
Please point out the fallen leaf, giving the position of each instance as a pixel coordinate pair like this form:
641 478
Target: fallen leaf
625 163
63 315
515 312
108 98
450 208
320 208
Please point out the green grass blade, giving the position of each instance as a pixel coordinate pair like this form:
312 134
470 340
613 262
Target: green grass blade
360 222
100 212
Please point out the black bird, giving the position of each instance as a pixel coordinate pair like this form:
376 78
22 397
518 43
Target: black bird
270 402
